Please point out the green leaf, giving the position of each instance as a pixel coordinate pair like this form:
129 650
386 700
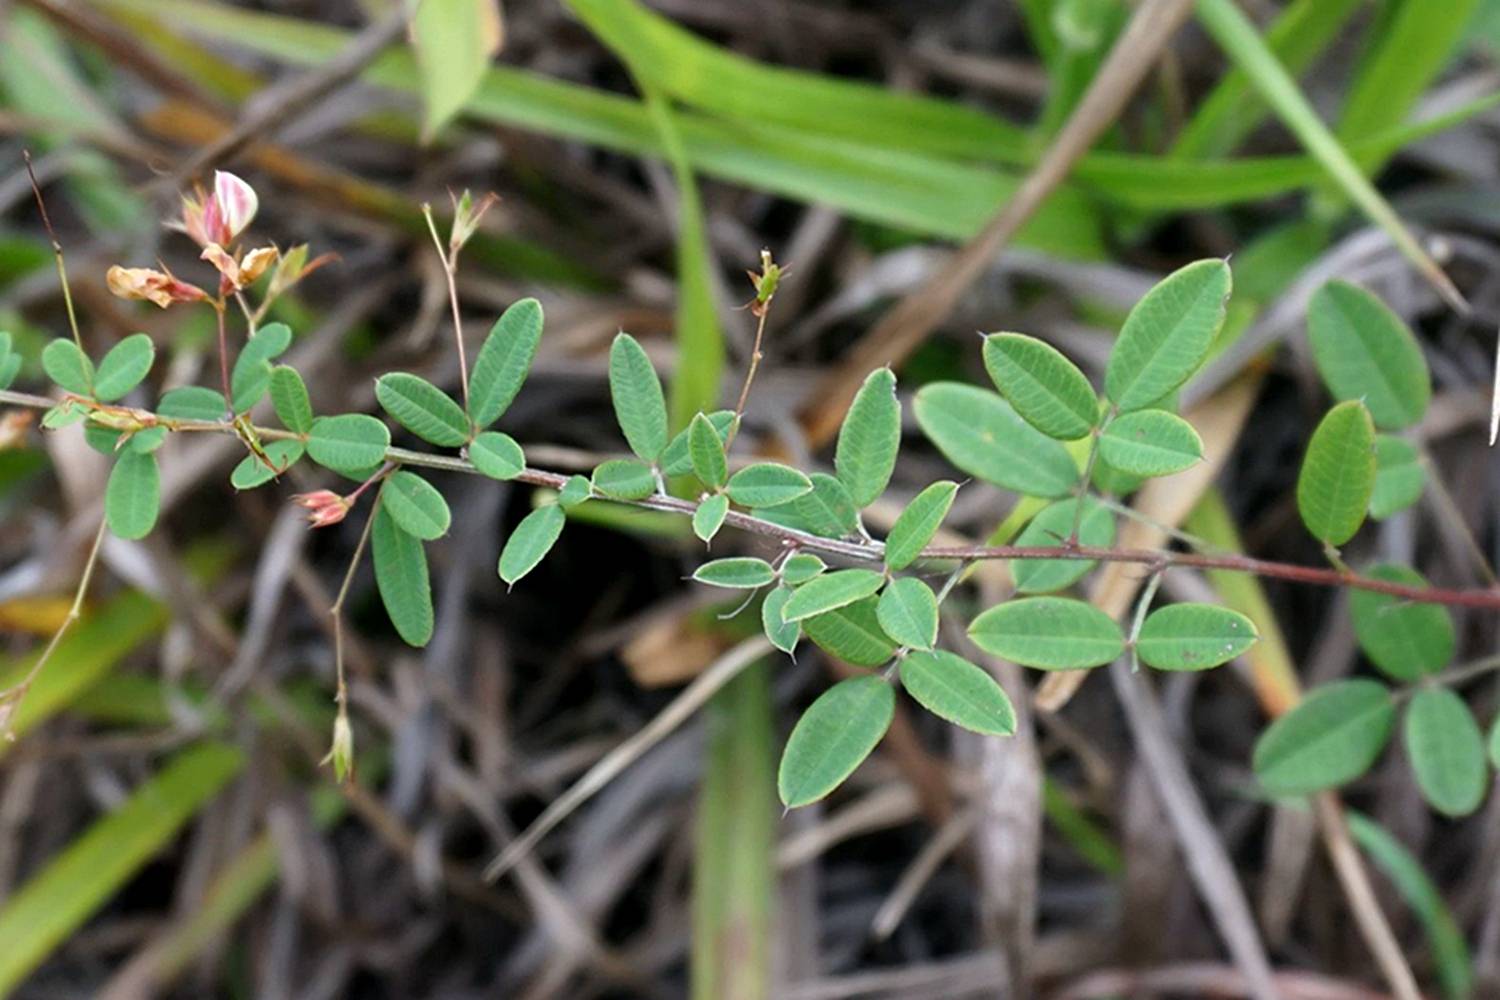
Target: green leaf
918 523
676 460
640 406
1399 477
501 367
852 633
1050 528
801 567
1150 443
289 399
827 511
767 484
1049 633
1364 351
952 688
782 633
833 737
497 455
709 517
123 367
831 590
252 369
1167 335
1193 637
64 414
49 908
530 542
133 497
1338 474
1446 750
1406 640
69 367
192 402
415 505
1331 737
401 576
706 449
148 440
908 612
252 471
981 434
1495 743
350 443
10 367
454 40
574 492
741 573
624 479
869 439
1046 389
423 408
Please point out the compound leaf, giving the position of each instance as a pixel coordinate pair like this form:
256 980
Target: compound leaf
1338 474
833 737
739 572
640 405
767 484
349 443
1046 389
709 517
1167 335
503 362
1364 351
782 633
132 499
1446 750
1331 737
983 435
69 367
908 612
1049 633
869 439
497 455
917 524
852 633
415 505
401 577
1193 637
1406 640
624 479
423 408
829 591
123 368
952 688
531 541
289 399
1150 443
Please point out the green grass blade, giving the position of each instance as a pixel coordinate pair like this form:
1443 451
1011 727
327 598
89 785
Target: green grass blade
62 896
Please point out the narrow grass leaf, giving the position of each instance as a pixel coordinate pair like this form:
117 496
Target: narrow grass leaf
1364 351
908 612
706 450
423 408
1150 443
624 479
454 40
1446 750
531 541
1338 474
1399 477
869 439
58 900
415 505
1048 633
1193 637
1331 737
709 517
503 362
252 471
1051 527
497 455
349 443
133 497
640 406
1167 334
740 572
69 367
829 591
1405 640
980 433
1046 389
833 737
783 634
917 524
851 633
767 484
954 689
289 399
123 367
401 577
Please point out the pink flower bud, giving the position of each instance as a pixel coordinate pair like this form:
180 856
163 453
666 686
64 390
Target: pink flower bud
324 507
145 284
236 204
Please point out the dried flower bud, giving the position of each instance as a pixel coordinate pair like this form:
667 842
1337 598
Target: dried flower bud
256 262
236 204
292 267
13 427
341 753
324 507
145 284
466 218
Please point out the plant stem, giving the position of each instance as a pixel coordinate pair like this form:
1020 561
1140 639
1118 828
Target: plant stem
10 700
869 550
224 357
755 356
57 251
450 268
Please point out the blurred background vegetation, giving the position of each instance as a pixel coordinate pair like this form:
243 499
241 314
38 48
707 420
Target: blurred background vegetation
165 829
